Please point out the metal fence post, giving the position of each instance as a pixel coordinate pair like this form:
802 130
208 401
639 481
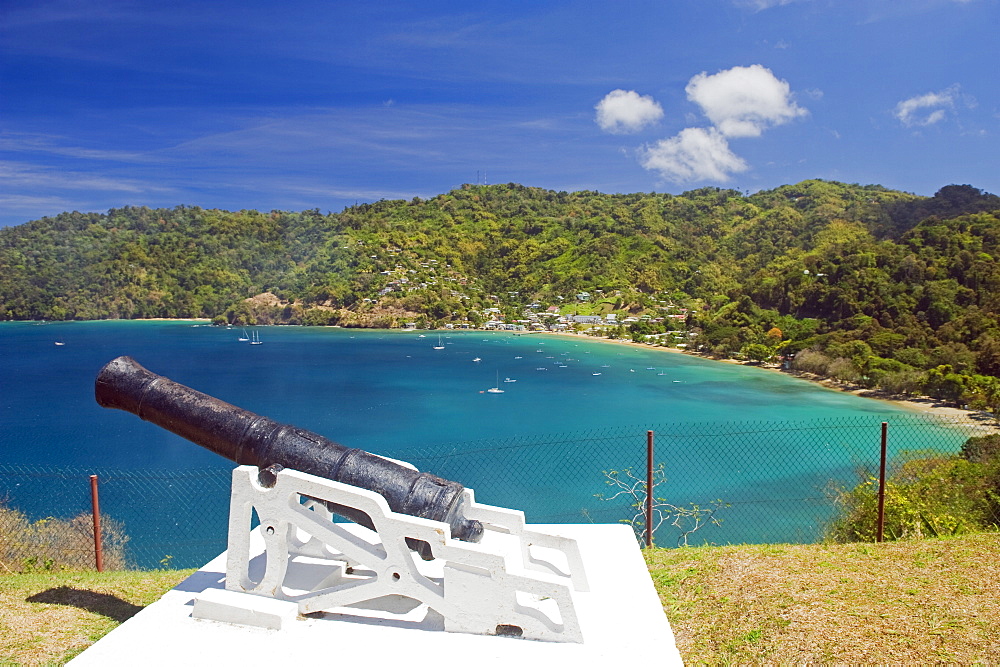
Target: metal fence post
881 485
96 509
649 489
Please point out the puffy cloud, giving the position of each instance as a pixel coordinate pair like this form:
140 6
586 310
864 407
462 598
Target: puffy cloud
928 109
694 154
743 101
626 111
738 102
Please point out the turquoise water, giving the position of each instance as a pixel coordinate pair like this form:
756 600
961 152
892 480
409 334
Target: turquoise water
384 391
391 393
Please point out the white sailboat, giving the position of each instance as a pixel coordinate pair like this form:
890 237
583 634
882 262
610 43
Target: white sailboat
256 339
440 345
496 389
244 338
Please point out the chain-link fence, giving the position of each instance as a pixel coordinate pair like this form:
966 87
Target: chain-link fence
775 481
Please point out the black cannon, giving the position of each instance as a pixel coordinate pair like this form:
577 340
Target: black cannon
250 439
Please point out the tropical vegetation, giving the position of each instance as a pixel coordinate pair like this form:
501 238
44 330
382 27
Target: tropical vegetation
864 284
927 494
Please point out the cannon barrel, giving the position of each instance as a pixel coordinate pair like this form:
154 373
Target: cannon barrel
250 439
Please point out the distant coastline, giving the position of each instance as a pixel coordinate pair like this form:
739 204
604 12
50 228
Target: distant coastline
919 404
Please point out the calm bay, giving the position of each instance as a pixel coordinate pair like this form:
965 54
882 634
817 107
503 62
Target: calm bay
384 391
393 393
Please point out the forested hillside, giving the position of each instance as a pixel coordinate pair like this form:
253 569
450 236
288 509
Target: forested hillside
882 282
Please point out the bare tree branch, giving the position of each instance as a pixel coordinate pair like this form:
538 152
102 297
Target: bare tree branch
687 520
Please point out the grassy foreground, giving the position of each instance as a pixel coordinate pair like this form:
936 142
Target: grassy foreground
900 602
908 602
48 618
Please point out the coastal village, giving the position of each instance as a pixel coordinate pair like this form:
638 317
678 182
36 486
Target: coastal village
582 312
536 318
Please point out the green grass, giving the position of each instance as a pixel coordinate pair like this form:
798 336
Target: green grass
50 617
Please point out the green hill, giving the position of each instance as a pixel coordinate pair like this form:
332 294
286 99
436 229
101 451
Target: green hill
885 282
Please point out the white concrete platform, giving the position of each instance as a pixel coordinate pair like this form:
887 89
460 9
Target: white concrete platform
621 619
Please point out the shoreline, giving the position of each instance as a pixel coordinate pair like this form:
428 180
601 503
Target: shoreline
916 404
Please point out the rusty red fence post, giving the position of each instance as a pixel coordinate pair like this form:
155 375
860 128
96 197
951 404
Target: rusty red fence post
880 527
649 488
96 508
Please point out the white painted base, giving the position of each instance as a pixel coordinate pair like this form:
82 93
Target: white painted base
514 581
620 616
243 609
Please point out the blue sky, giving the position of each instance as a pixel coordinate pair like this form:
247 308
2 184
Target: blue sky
321 104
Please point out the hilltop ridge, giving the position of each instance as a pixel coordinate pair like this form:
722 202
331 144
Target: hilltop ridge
886 281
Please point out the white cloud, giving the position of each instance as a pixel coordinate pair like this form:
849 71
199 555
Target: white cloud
761 5
694 154
54 144
23 177
744 101
626 111
20 203
739 102
924 110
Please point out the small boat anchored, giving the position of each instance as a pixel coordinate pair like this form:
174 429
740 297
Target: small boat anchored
496 389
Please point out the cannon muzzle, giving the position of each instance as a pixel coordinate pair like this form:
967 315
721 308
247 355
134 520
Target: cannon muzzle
250 439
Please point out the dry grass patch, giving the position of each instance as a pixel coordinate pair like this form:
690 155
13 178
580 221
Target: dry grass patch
48 618
899 602
909 602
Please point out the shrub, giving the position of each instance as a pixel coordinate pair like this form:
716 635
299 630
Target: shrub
811 361
985 450
982 449
844 370
927 496
319 317
904 382
57 544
